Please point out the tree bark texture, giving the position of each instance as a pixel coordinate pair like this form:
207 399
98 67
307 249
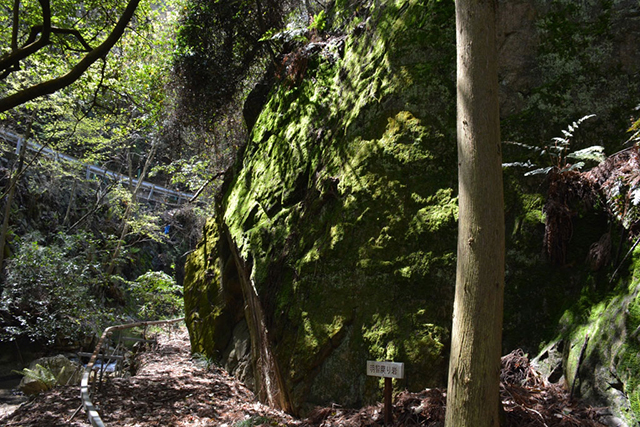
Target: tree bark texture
474 369
270 384
7 209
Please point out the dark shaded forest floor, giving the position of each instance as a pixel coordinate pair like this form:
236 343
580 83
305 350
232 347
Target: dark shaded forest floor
171 388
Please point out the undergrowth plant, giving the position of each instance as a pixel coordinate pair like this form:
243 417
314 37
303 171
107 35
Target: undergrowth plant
256 421
567 189
43 375
203 360
47 296
155 295
559 156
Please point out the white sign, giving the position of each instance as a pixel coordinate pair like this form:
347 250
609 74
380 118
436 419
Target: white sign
385 369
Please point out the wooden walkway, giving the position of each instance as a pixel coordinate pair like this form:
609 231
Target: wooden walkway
148 191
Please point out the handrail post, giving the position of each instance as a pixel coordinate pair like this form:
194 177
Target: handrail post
85 391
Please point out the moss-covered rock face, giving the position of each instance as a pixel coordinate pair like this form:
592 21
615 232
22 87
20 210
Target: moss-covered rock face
344 209
201 291
600 347
562 60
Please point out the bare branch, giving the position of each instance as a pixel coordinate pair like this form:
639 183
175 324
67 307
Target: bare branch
201 189
53 85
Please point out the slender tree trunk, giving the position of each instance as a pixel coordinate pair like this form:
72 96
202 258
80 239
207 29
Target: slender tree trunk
99 198
72 197
127 212
12 189
16 24
473 398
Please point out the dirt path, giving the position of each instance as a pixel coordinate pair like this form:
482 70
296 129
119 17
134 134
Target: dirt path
9 401
173 389
170 388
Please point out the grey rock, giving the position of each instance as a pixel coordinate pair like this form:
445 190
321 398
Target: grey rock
64 371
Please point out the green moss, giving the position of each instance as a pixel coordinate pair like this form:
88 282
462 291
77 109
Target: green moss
202 305
345 183
345 207
628 359
579 69
441 211
532 205
608 324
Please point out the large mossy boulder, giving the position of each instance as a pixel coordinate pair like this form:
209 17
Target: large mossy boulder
345 210
595 355
596 351
334 239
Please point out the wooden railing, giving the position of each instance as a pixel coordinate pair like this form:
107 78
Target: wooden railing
149 191
101 352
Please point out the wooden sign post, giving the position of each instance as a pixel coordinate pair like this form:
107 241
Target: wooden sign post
386 370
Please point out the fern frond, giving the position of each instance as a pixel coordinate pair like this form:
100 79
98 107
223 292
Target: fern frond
539 171
594 153
576 166
520 144
587 117
42 374
635 196
526 164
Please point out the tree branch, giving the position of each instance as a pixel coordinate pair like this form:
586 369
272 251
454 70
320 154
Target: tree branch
201 189
53 85
71 31
16 23
32 45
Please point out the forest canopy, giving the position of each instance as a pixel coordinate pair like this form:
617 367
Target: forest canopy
50 48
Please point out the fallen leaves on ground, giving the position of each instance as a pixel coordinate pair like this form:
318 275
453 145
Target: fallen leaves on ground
171 388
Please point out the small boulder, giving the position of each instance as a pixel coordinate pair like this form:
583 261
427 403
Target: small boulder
47 372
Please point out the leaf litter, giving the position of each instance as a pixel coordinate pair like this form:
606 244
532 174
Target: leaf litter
172 388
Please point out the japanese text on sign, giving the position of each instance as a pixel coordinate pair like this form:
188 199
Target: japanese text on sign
385 369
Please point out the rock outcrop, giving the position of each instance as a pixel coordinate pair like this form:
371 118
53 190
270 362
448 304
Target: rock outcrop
334 239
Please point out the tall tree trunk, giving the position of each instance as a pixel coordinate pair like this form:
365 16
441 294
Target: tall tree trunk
15 26
474 368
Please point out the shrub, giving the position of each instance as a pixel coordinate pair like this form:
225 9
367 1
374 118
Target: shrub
46 294
156 295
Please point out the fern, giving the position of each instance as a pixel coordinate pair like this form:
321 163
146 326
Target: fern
540 171
594 153
203 360
634 194
254 421
559 153
42 374
561 146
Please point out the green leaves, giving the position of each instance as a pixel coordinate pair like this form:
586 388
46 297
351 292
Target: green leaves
594 153
46 291
319 22
156 296
559 153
